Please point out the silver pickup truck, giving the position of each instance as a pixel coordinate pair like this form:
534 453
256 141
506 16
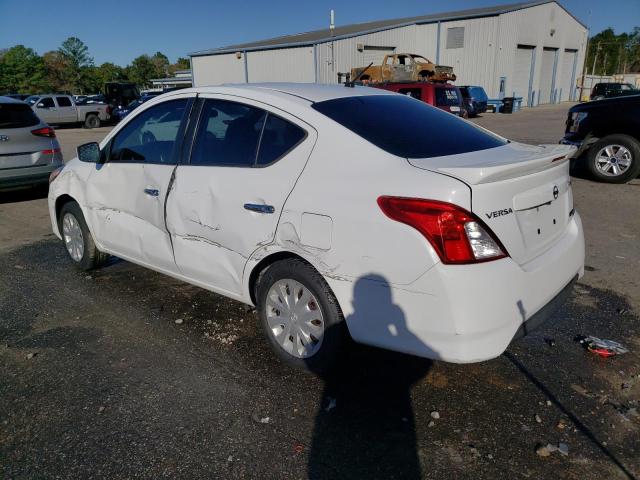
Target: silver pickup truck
61 109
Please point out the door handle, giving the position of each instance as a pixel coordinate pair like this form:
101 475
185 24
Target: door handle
260 208
154 192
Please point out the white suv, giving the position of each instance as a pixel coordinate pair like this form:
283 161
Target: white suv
336 211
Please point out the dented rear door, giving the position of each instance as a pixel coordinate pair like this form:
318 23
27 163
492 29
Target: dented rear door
227 197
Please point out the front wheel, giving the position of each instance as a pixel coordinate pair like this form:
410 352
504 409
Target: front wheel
77 238
614 159
300 316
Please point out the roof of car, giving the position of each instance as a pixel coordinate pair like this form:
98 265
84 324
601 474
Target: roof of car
312 92
9 100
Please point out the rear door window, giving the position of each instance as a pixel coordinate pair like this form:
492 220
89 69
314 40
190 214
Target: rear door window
228 134
63 101
46 103
406 128
447 97
278 138
17 115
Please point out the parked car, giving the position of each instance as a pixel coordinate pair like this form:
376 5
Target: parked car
61 109
89 99
338 212
119 113
119 94
444 96
604 90
474 99
607 134
29 150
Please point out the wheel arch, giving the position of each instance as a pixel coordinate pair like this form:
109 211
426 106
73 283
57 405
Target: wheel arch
61 201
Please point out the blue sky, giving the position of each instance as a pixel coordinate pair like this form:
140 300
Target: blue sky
118 31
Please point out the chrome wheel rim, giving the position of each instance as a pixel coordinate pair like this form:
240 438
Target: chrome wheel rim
613 160
73 239
294 318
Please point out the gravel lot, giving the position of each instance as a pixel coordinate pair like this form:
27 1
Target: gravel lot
99 381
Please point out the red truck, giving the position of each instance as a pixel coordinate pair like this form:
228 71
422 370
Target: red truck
444 96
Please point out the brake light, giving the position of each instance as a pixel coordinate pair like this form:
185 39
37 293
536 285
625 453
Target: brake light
54 174
50 151
458 236
44 132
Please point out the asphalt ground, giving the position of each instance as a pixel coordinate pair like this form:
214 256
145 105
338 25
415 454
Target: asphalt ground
97 380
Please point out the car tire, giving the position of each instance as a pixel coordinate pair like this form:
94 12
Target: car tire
315 314
77 238
614 159
92 121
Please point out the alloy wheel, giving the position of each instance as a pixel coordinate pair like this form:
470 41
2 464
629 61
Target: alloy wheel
613 160
73 238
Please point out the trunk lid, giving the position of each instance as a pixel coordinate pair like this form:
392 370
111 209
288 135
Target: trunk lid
522 192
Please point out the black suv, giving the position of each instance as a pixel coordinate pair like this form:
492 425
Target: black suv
607 133
612 89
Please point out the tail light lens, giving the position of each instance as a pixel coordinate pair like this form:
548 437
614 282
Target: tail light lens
458 236
54 174
44 132
108 109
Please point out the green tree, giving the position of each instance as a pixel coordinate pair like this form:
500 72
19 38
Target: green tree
610 53
94 78
22 70
141 70
161 64
76 54
181 64
57 69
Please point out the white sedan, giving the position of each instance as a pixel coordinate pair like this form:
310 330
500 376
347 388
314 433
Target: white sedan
339 212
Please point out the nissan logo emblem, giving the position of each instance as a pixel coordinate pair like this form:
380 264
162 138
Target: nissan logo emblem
555 192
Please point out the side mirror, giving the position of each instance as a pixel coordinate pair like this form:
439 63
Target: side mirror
89 152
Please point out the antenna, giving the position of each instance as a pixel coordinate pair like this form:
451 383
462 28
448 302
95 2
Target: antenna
332 21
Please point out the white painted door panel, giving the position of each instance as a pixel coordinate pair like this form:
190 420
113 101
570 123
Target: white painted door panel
522 73
213 233
126 220
546 75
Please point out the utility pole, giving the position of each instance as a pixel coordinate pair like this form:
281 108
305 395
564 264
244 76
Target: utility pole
604 64
595 58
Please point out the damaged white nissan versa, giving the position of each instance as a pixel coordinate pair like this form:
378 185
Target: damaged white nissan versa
337 212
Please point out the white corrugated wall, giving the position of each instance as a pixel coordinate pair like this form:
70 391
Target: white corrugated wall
289 64
217 69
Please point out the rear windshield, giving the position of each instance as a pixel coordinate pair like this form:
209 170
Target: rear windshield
447 97
407 127
17 115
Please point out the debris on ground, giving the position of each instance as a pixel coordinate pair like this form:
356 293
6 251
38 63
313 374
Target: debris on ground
431 424
230 458
538 419
101 408
548 403
331 404
298 448
550 341
601 346
621 311
258 419
30 355
548 449
19 267
435 415
179 321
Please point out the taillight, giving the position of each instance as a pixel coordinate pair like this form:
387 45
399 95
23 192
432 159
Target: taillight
457 235
50 151
54 174
44 132
108 109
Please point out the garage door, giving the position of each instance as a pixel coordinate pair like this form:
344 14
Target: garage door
546 74
522 72
566 79
375 54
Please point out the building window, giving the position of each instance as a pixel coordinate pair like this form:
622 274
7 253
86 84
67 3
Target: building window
455 37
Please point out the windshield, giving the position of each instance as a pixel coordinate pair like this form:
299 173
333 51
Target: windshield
407 127
32 99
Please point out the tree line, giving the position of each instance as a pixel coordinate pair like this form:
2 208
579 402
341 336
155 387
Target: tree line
71 69
610 54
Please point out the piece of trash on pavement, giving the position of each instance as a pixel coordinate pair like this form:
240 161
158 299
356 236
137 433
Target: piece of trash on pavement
435 415
601 346
548 449
259 419
30 355
298 448
178 321
550 341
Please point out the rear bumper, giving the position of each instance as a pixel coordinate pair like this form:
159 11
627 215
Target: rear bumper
26 176
464 313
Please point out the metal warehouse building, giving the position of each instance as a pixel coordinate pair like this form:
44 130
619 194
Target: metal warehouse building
532 50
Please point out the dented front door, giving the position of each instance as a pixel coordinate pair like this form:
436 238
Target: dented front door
126 195
226 201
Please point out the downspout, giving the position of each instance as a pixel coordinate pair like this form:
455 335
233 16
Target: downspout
246 67
438 45
315 63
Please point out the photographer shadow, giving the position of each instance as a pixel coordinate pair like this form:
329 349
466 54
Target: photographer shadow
365 425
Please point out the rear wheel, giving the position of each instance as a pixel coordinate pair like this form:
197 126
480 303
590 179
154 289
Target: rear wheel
92 121
614 159
300 316
77 238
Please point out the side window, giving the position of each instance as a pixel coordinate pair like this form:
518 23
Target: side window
278 138
411 92
63 101
46 103
228 134
151 136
